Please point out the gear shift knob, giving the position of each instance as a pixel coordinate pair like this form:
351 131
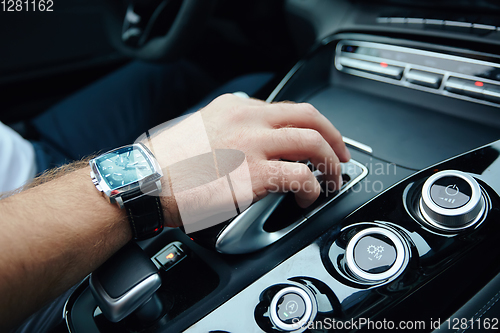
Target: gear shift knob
125 282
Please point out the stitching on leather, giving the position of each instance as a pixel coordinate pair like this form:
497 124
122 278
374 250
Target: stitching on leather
132 222
496 296
494 299
158 207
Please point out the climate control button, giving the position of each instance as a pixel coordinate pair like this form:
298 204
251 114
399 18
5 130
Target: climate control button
376 254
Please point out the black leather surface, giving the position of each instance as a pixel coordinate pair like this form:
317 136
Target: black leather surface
145 214
480 314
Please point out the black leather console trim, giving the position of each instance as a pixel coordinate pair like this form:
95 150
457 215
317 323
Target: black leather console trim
483 305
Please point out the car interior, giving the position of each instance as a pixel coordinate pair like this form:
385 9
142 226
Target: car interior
408 242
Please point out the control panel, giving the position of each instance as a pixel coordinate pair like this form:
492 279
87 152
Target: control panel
376 254
384 262
286 307
434 72
452 200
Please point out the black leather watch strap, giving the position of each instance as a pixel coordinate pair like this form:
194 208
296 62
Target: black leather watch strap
145 214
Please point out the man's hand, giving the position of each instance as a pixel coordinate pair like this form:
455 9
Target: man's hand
56 233
268 134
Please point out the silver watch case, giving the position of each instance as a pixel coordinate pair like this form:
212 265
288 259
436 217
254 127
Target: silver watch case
115 196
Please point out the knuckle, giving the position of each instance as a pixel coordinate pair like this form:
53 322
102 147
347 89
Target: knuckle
279 137
236 113
313 138
225 97
304 174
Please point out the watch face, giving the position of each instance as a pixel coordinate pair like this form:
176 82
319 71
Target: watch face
124 166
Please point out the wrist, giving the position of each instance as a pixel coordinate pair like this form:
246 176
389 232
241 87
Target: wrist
130 177
112 215
171 213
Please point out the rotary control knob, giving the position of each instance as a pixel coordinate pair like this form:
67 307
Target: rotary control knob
292 308
376 254
451 200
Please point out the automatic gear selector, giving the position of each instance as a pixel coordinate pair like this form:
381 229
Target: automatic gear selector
451 200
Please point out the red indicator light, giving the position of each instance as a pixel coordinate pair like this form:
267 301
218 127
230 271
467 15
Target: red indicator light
478 83
114 192
383 64
170 255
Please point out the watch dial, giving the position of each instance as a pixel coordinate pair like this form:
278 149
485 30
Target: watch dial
123 167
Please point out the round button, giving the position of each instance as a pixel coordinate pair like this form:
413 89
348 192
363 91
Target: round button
291 308
376 254
451 192
451 200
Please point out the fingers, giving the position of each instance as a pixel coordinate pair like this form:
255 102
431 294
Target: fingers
285 131
304 115
300 144
279 176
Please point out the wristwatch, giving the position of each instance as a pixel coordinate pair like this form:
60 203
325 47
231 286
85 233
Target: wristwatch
130 177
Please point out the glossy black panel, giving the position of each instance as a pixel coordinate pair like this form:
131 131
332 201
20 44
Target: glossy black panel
445 267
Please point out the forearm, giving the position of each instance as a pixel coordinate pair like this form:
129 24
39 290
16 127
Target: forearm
52 236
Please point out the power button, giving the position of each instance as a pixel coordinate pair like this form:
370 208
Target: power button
451 192
452 200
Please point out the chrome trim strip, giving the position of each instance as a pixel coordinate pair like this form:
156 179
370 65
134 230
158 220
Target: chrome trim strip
484 26
363 174
425 77
431 221
357 144
70 302
411 20
373 67
458 24
284 81
115 309
412 50
246 232
431 21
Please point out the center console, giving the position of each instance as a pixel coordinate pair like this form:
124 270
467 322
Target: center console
410 239
387 260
